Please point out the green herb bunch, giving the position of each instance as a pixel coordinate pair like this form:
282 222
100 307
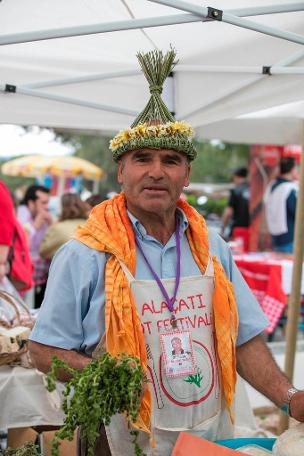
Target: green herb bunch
28 449
106 386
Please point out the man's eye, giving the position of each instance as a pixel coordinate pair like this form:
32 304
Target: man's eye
142 159
171 161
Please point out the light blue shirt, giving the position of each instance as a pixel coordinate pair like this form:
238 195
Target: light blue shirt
72 314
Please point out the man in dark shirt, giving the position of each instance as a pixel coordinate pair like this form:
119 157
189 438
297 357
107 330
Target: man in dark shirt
237 212
280 206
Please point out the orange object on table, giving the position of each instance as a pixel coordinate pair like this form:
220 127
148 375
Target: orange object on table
190 445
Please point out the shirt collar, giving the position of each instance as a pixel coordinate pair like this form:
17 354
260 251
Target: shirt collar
141 231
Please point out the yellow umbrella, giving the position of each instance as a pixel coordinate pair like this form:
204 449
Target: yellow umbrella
23 166
36 165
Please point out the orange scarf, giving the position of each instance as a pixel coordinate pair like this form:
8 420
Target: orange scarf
109 229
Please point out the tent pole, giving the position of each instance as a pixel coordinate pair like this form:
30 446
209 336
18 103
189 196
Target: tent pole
269 9
293 58
85 78
276 69
95 186
86 104
294 301
235 20
132 24
92 29
285 70
61 186
289 60
220 99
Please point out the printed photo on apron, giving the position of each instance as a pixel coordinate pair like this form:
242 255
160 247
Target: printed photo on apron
177 353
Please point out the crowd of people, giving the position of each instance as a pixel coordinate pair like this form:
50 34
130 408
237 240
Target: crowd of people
280 201
30 236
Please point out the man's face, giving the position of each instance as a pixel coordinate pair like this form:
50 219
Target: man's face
295 173
176 344
153 179
40 205
237 179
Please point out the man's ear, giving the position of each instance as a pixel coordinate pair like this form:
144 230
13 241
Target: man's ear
119 171
187 179
31 205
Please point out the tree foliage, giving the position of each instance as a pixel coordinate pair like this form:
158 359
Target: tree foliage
96 150
216 162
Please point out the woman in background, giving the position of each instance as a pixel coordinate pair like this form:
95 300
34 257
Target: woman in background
73 213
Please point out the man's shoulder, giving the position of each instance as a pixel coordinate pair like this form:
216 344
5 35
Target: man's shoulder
76 249
219 248
215 240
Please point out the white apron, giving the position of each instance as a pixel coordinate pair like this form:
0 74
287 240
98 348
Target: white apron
188 403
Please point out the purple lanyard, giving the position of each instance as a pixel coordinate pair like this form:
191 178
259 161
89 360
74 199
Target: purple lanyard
169 301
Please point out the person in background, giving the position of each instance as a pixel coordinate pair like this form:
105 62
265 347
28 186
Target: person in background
236 213
73 213
280 201
93 200
15 261
7 222
34 216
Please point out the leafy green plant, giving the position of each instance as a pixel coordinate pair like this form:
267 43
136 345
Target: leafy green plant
28 449
215 206
106 386
196 379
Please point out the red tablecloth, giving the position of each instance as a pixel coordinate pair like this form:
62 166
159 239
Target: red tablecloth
265 281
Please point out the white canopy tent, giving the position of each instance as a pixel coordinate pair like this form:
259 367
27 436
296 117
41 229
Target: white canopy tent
72 64
279 125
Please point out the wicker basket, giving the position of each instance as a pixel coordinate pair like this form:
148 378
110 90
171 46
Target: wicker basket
15 357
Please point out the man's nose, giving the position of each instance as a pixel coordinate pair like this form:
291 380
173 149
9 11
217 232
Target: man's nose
156 170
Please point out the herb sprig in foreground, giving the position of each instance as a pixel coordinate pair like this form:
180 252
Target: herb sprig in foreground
106 386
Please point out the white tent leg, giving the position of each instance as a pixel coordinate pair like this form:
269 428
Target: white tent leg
95 186
235 20
294 301
61 186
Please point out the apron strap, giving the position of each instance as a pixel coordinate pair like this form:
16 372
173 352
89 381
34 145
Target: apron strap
126 271
208 273
209 269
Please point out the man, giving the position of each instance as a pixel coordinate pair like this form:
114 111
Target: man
143 269
33 214
177 346
280 206
237 211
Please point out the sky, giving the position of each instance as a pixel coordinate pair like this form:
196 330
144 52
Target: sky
15 141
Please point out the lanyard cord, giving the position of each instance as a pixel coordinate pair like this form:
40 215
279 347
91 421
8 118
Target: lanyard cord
169 301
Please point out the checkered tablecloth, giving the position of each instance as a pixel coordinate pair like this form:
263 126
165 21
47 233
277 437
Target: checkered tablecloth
265 281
